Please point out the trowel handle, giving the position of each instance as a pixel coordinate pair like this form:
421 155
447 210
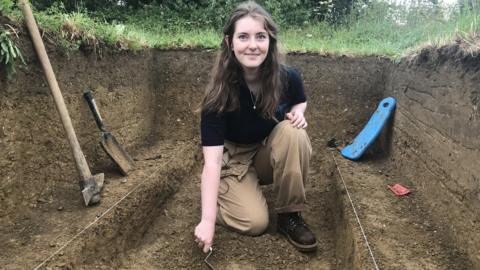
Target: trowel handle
93 107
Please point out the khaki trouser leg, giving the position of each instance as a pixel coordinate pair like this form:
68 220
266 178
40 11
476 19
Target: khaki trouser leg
241 204
284 160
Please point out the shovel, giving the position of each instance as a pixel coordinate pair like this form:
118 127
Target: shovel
90 185
108 142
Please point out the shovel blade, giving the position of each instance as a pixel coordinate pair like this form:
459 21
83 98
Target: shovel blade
91 189
117 153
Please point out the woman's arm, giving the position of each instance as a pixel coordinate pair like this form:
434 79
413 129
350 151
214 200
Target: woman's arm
205 230
296 116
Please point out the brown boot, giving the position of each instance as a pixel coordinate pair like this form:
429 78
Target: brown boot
295 229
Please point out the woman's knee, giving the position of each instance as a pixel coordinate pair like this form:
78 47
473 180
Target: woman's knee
246 220
286 129
287 135
257 223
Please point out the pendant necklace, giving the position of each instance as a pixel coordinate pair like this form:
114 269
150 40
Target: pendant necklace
254 101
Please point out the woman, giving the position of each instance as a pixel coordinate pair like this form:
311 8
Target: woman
245 142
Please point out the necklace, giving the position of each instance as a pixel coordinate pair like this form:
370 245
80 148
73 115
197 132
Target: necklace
254 101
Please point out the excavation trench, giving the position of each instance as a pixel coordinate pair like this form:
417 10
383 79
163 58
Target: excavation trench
146 220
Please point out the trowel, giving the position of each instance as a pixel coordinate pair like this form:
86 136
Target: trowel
108 142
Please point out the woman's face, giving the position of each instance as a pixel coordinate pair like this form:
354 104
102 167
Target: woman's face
250 42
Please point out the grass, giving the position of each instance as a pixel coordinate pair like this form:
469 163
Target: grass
380 29
373 34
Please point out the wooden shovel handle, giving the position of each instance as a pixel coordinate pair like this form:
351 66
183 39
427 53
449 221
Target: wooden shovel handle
80 160
93 107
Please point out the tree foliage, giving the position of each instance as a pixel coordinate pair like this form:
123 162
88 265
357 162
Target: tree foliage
208 12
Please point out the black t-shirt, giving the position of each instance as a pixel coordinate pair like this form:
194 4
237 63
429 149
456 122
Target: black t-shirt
246 125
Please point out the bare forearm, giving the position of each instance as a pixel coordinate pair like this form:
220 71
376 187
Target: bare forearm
209 190
300 107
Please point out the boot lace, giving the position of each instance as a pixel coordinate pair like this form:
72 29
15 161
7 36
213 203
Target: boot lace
296 220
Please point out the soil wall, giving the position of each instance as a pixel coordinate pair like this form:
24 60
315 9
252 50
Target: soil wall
36 161
342 92
179 79
436 142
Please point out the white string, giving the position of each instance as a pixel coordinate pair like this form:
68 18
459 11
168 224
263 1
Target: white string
93 222
136 187
356 215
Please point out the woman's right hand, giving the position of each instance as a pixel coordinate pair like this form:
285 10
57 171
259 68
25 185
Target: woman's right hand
204 233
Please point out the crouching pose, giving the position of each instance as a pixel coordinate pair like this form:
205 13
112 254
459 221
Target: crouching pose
253 133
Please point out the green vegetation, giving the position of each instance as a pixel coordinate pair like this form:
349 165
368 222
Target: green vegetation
9 52
205 13
385 29
362 27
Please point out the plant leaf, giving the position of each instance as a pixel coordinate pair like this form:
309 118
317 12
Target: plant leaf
12 50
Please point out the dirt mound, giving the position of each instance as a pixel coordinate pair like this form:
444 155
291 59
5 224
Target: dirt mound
464 53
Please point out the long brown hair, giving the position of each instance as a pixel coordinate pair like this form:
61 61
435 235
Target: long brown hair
222 93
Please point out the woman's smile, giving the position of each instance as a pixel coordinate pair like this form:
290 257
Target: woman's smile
250 42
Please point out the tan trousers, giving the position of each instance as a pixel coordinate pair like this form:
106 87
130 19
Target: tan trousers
282 159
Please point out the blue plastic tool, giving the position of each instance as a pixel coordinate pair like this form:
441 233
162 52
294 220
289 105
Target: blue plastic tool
371 131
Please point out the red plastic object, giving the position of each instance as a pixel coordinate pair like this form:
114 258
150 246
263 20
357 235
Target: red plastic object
399 190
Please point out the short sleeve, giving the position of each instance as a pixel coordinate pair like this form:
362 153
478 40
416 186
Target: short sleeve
296 92
212 126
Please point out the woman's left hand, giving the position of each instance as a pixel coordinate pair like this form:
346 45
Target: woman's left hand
297 119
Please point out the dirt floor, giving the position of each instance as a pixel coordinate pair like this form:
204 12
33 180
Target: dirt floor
168 243
146 220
